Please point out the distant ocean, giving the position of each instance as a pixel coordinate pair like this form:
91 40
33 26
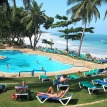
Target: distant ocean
92 43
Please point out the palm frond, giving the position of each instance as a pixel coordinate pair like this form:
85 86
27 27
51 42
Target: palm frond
69 2
105 14
85 10
26 3
61 17
29 25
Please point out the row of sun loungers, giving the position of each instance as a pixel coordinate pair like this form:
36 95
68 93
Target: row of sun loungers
102 83
63 99
56 80
96 84
47 78
94 72
69 77
89 86
73 54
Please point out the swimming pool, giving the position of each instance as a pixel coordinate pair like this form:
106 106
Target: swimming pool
19 61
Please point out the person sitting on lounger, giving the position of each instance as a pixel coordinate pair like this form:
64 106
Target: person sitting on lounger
21 88
52 93
63 78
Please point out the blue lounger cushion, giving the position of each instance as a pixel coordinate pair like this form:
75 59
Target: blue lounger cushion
65 97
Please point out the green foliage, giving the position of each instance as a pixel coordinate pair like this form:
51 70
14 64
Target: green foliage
61 17
48 42
75 36
75 30
105 14
65 23
88 55
48 23
85 10
44 41
29 25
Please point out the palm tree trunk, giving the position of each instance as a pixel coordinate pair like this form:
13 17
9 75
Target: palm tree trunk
36 38
30 42
14 11
79 50
8 7
34 42
51 46
67 45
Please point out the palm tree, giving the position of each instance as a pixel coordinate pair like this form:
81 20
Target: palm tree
34 17
84 9
99 3
6 2
48 42
51 43
74 34
105 1
45 42
25 2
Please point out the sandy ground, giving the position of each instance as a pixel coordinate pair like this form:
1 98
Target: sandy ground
79 65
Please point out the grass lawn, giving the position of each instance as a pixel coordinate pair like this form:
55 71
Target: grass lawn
102 104
80 96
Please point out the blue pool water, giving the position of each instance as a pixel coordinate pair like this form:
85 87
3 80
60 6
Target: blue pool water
19 61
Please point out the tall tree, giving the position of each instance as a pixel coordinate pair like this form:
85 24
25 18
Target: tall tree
34 18
25 2
6 2
74 33
84 9
65 22
48 42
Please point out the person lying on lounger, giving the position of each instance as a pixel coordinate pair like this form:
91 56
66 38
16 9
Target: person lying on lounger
52 93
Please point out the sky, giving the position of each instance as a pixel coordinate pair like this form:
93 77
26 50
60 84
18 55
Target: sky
53 7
